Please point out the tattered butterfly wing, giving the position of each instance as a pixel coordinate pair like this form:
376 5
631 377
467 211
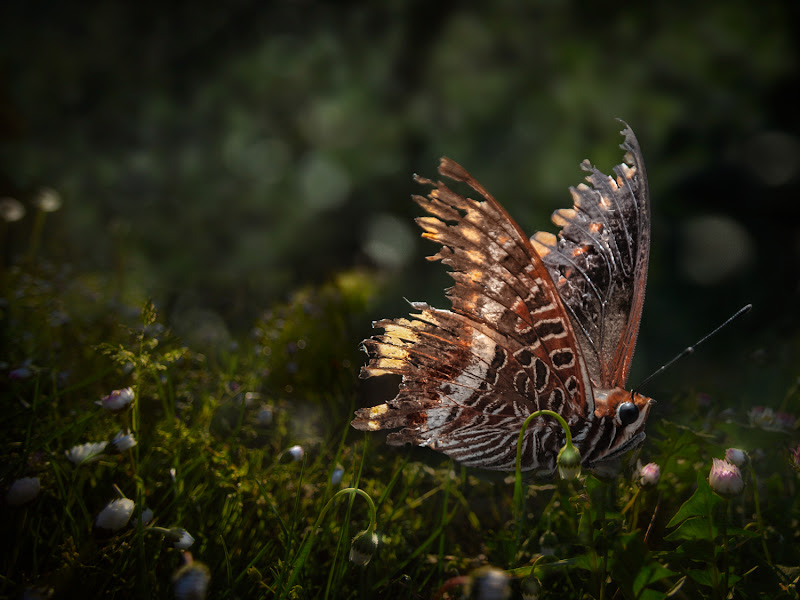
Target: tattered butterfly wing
599 262
472 375
546 323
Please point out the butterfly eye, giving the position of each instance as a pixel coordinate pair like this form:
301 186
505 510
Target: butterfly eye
628 413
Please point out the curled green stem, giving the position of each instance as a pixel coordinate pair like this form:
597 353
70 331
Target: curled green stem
373 520
518 470
305 548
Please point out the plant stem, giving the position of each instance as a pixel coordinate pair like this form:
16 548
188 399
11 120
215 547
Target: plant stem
715 570
724 548
36 235
604 559
761 527
305 547
518 496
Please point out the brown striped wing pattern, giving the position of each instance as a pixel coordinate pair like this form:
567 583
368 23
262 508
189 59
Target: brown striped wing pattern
599 262
514 340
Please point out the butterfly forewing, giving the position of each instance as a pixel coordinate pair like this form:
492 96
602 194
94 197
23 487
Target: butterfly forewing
599 262
507 349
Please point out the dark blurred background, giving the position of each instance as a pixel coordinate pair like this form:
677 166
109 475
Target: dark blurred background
217 156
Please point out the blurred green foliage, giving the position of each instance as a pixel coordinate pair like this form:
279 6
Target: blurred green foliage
249 163
222 156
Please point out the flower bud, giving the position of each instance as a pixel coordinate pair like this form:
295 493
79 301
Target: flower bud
736 457
85 453
336 476
725 479
117 400
19 373
649 475
547 543
531 588
47 200
122 442
146 516
569 462
180 538
23 491
11 209
296 453
363 547
115 515
264 415
190 582
489 583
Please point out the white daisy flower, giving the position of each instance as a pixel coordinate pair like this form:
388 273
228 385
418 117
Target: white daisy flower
115 515
85 453
117 400
124 441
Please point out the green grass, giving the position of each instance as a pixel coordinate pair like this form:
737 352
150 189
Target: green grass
208 460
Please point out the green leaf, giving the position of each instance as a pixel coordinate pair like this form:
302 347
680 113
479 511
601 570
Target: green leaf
694 528
587 561
699 505
649 573
733 578
701 577
734 531
790 573
649 594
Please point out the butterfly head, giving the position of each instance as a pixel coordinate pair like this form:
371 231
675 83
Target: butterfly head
628 412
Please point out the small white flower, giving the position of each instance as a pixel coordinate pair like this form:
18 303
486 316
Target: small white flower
649 475
11 210
251 398
490 583
23 491
547 543
117 400
124 441
22 372
264 415
336 476
115 515
47 200
725 479
735 456
180 538
296 452
85 453
147 516
190 582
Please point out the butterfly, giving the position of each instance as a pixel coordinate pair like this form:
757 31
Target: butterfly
547 322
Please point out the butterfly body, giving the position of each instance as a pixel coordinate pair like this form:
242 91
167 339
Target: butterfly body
539 323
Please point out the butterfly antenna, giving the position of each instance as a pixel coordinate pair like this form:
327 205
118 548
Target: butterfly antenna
689 349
